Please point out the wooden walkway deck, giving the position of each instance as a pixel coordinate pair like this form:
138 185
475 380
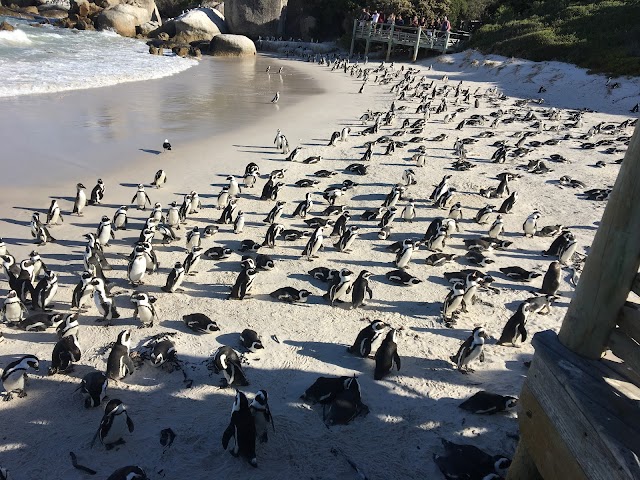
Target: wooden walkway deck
409 36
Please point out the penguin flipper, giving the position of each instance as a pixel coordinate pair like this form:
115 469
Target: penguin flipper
370 292
523 331
226 436
396 359
132 200
129 424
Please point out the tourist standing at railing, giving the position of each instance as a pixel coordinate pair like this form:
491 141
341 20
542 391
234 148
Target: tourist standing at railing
391 19
446 25
423 22
364 17
399 21
374 19
415 22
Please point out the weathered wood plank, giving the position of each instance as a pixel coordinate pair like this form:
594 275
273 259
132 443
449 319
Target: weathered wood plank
523 467
629 322
612 264
635 286
625 348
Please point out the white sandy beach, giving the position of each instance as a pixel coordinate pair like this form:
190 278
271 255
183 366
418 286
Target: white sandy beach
410 410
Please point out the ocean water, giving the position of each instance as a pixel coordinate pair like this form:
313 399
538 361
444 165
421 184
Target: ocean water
35 60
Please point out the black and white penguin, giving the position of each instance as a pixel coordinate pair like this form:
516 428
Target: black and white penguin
250 340
360 289
303 207
346 405
314 244
13 310
540 305
249 245
44 292
120 218
340 287
452 303
238 224
40 232
403 257
387 356
388 217
487 403
166 146
262 415
483 214
366 337
137 266
439 259
141 198
97 194
54 217
530 225
264 262
516 326
193 238
403 278
325 389
175 279
94 388
15 374
273 232
228 212
119 363
114 424
130 472
275 99
470 350
324 274
159 179
347 238
81 199
456 211
497 227
104 232
144 311
519 274
468 461
242 426
275 213
551 281
192 260
566 251
509 202
341 224
162 351
291 295
66 324
199 322
243 284
476 258
227 361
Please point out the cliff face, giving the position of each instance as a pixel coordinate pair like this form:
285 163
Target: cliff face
255 18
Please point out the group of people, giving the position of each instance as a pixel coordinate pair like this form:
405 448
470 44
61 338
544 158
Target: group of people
379 18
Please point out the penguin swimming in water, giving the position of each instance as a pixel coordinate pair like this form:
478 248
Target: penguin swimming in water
387 355
226 360
516 326
114 424
262 415
242 429
15 374
487 403
366 337
470 350
94 388
119 363
360 289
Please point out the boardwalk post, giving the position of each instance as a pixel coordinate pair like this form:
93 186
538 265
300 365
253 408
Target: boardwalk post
611 267
390 42
353 37
415 49
366 47
446 42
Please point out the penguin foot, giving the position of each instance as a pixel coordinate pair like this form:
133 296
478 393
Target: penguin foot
235 454
254 463
22 394
8 396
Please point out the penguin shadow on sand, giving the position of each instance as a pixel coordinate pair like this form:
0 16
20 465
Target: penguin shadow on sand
126 185
212 290
328 353
150 150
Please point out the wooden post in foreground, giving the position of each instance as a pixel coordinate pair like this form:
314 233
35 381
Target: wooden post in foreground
614 258
366 47
353 37
390 42
415 49
446 42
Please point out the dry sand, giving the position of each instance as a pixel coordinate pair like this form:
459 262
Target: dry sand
410 409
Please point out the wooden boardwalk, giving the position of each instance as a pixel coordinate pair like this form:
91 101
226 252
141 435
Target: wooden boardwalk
415 37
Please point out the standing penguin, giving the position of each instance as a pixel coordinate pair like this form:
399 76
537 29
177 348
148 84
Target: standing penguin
104 233
120 218
388 217
456 211
104 302
387 355
243 284
409 212
470 349
94 388
166 146
314 244
15 374
273 232
234 188
193 238
360 289
516 326
403 257
566 251
114 424
304 207
530 225
262 415
137 267
159 179
508 204
482 216
452 304
119 363
346 239
66 351
238 224
144 311
44 292
83 291
242 428
97 194
54 216
175 279
275 213
141 198
81 199
551 281
497 228
13 310
366 337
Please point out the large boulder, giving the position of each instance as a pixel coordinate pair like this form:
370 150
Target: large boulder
117 19
199 24
228 45
256 17
52 11
7 26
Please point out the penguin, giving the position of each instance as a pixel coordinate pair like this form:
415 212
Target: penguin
94 388
325 389
195 204
243 284
409 177
497 228
482 216
39 231
564 239
437 242
44 292
193 239
120 218
273 232
346 405
192 260
387 355
13 310
456 212
519 274
340 224
38 265
130 472
366 337
226 217
242 426
81 199
238 224
175 279
291 295
104 232
403 257
156 214
137 267
530 225
54 217
262 415
97 194
218 253
159 179
250 340
516 326
487 403
141 198
223 198
452 304
468 461
65 353
249 245
470 350
163 351
566 251
344 133
39 322
346 239
372 214
234 188
227 361
303 207
104 302
402 277
439 259
114 425
388 217
409 212
314 244
508 204
199 322
551 280
360 289
335 136
540 305
119 363
264 262
275 98
14 376
144 311
324 274
440 189
166 146
476 258
250 179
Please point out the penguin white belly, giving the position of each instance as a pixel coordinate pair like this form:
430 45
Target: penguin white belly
104 236
145 315
14 382
138 269
178 282
349 242
84 298
341 291
315 246
99 301
118 429
13 312
469 294
566 254
529 228
172 218
81 201
141 199
51 292
473 354
408 213
404 259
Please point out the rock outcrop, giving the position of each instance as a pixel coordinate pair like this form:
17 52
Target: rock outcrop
255 18
7 26
125 17
228 45
199 24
